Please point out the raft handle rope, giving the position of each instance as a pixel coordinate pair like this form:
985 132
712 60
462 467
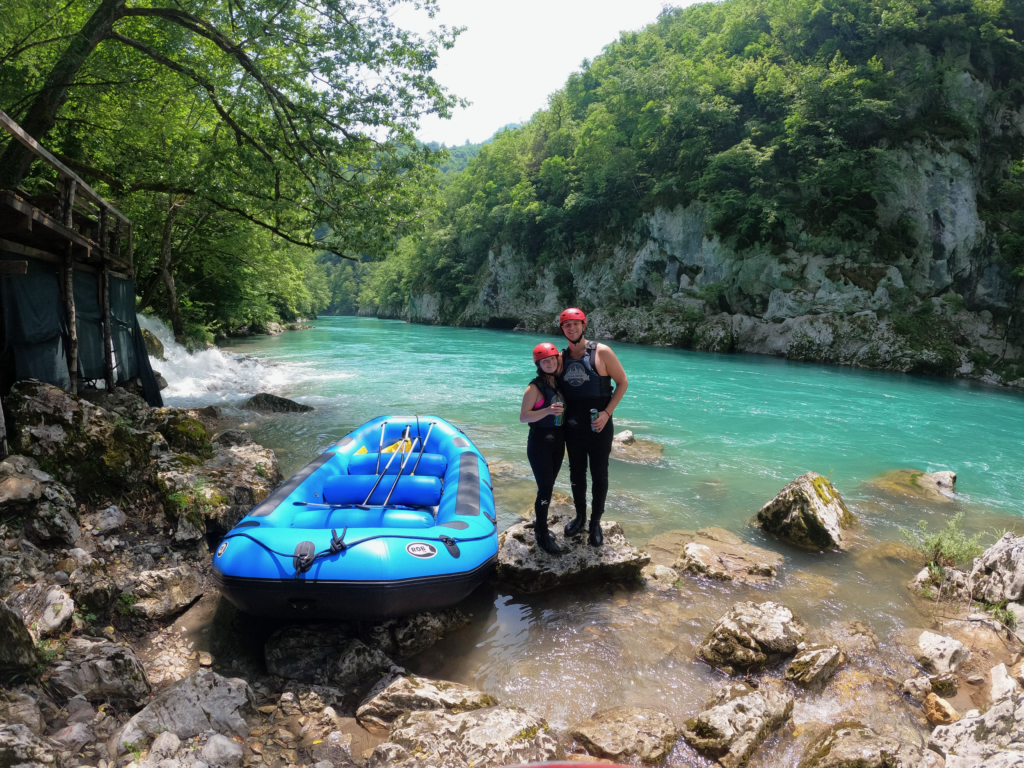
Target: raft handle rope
402 463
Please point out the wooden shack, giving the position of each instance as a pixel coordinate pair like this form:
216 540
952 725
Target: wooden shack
67 292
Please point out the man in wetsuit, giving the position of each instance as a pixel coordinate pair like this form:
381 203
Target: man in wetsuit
588 370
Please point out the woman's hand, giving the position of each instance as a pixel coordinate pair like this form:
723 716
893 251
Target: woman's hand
555 409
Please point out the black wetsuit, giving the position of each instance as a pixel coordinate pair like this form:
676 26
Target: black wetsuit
583 390
545 448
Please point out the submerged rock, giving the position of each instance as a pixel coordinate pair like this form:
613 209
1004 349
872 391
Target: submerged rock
736 721
407 636
623 734
626 447
915 484
267 403
723 556
399 694
200 703
17 647
659 577
855 745
493 736
523 565
100 670
809 512
749 634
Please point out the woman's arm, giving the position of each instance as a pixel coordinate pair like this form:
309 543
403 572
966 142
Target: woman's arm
530 398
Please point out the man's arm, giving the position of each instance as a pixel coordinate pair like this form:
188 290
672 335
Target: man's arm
615 370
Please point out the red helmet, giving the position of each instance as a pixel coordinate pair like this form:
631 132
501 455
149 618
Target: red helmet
544 349
572 314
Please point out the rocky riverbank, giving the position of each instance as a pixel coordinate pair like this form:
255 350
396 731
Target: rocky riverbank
109 510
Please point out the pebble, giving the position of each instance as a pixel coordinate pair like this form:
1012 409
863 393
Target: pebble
975 679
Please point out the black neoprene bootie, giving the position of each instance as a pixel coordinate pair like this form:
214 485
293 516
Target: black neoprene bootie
545 540
576 526
596 538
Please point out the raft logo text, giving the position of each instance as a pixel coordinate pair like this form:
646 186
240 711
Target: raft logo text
421 549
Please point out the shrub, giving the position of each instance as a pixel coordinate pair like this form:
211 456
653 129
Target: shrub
948 547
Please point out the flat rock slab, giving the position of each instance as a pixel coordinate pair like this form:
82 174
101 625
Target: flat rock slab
915 484
399 694
626 733
736 721
484 737
751 633
521 564
809 512
718 554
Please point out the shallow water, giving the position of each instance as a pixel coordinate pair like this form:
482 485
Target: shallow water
735 429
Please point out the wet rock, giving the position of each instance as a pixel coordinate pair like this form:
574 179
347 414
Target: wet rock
623 734
100 670
855 745
814 665
17 647
953 585
659 577
1002 684
200 703
164 746
222 752
154 346
736 721
493 736
19 746
357 662
940 654
78 442
183 432
723 556
305 652
107 520
267 403
333 750
407 636
398 694
809 512
21 708
854 638
750 633
523 565
626 447
939 711
998 574
915 484
91 588
73 737
917 688
233 437
167 591
976 738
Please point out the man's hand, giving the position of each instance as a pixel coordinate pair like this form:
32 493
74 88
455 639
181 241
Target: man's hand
602 419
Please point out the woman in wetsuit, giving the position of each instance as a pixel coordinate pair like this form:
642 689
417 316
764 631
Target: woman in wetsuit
545 448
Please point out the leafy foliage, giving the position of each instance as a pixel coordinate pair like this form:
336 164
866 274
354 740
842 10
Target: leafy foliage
946 548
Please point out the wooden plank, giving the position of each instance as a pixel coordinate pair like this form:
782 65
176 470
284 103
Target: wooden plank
67 209
57 227
35 253
37 149
13 267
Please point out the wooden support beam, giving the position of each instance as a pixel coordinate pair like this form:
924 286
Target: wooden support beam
104 287
13 267
67 210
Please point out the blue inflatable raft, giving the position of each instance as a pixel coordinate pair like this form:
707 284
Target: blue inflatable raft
395 518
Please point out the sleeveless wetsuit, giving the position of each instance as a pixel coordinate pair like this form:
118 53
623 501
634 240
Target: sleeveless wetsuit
545 449
584 389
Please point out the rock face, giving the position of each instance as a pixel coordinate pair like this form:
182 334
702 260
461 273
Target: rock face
399 694
17 648
854 745
999 573
736 721
523 565
46 610
623 734
167 591
749 634
809 512
267 403
723 556
205 701
23 709
47 506
493 736
814 665
940 654
101 670
997 735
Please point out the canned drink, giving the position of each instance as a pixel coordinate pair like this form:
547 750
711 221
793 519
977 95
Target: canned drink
559 418
593 418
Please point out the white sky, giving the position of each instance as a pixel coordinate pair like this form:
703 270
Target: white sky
513 55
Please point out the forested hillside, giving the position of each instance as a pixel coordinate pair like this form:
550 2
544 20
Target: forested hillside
837 181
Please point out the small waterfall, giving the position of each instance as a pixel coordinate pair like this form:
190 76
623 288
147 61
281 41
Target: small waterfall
212 376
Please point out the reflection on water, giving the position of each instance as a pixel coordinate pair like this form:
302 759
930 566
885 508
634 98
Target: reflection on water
735 430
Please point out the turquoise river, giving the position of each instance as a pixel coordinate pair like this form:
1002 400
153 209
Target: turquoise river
735 430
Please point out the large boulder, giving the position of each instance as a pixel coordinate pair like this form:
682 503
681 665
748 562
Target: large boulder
17 647
523 565
154 347
92 588
854 745
267 403
398 694
47 507
750 634
357 662
46 610
305 652
998 575
164 592
407 636
78 442
735 722
20 747
624 734
202 702
101 670
718 554
917 485
493 736
809 512
940 654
